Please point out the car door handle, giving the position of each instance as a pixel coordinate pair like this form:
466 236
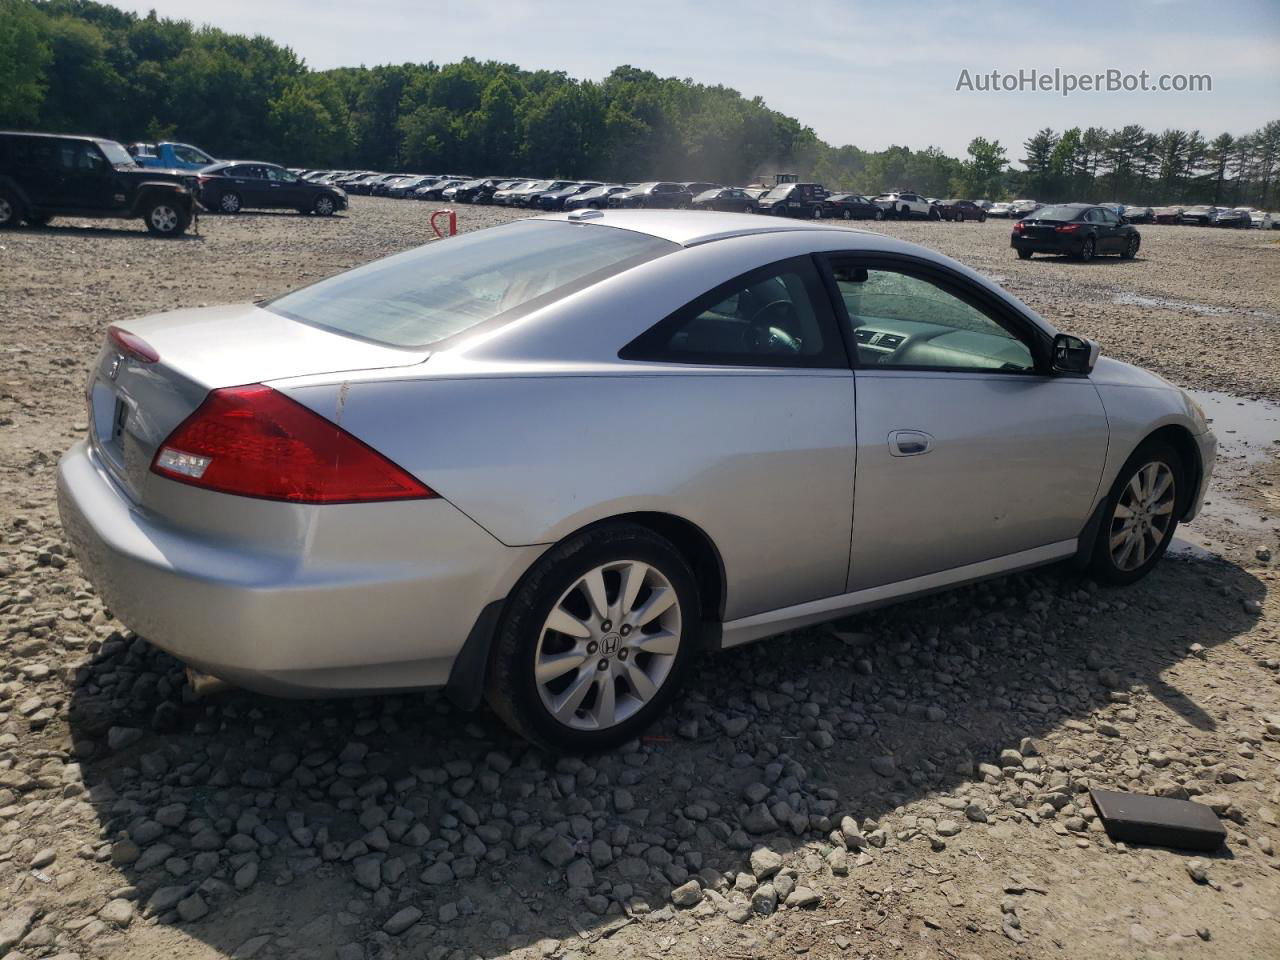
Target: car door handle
909 443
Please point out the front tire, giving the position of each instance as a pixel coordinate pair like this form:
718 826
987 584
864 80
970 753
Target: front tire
879 214
324 206
229 202
596 640
1140 515
1131 248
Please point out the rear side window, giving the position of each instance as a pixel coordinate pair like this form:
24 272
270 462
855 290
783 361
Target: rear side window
426 295
776 316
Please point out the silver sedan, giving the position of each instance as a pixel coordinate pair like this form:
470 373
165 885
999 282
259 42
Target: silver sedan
551 462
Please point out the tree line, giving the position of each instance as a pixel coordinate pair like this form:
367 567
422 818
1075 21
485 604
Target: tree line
83 66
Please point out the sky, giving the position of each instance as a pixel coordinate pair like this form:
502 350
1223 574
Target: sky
868 73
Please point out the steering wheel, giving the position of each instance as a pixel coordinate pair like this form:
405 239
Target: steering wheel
765 333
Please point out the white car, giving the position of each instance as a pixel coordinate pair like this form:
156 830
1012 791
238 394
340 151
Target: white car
1261 220
998 210
905 206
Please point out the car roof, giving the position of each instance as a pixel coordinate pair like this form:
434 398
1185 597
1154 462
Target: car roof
689 228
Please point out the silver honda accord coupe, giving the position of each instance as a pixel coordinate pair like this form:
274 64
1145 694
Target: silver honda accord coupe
549 463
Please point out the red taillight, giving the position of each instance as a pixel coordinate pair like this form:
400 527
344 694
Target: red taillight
255 442
132 345
1067 228
1017 227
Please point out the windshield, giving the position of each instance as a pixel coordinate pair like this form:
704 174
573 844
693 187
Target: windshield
778 192
425 295
116 154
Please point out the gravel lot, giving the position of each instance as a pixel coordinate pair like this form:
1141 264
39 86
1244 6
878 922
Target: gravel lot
907 783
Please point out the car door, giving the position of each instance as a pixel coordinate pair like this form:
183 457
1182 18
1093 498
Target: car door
283 188
771 449
1110 239
968 448
86 176
251 180
35 162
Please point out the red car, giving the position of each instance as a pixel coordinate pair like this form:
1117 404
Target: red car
961 210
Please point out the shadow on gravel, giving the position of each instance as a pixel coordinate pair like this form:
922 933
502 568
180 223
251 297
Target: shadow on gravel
83 230
314 824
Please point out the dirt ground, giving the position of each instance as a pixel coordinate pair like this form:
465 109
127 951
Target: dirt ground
909 783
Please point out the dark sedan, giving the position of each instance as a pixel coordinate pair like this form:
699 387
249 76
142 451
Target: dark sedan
476 191
851 206
656 194
1168 215
1200 216
230 186
436 190
1239 218
554 196
1078 230
725 199
596 198
1136 214
961 210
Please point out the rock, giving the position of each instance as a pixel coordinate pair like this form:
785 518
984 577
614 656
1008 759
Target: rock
171 815
43 858
687 894
838 861
948 828
119 738
580 874
558 852
884 766
192 908
117 912
803 897
15 924
765 899
765 862
1198 870
368 871
402 921
438 873
124 852
759 820
975 812
246 876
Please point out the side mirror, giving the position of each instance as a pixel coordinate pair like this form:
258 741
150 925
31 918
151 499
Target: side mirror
1076 355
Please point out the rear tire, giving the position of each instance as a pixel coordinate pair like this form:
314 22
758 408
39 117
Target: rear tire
1140 515
37 219
1087 249
10 210
166 218
1024 254
600 661
229 202
878 215
846 213
982 218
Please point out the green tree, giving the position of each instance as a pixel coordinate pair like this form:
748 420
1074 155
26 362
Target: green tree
982 174
1039 162
25 55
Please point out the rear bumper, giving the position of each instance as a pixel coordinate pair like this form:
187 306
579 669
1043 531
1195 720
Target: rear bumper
369 597
1064 244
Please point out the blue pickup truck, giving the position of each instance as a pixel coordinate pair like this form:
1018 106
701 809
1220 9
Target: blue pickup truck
170 156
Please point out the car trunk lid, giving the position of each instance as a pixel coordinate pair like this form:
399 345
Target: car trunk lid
135 403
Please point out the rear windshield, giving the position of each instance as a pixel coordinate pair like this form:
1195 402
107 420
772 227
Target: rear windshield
422 296
1058 213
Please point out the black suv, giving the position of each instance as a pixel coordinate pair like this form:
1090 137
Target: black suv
46 175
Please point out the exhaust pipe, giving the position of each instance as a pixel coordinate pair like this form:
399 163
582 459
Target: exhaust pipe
205 684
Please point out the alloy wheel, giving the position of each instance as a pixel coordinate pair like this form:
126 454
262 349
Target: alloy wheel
163 218
230 203
6 211
324 206
1143 515
608 645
